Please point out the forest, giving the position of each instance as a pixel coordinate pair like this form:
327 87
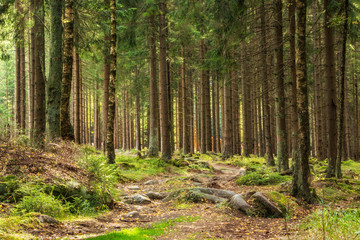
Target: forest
179 119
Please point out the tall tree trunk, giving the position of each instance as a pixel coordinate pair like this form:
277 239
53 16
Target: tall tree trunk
294 117
217 111
185 105
246 106
32 77
342 95
137 116
180 115
40 118
228 136
154 101
67 131
165 116
281 133
202 100
55 71
268 142
112 85
301 185
77 89
330 74
106 86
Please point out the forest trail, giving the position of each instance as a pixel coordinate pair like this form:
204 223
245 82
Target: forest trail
210 221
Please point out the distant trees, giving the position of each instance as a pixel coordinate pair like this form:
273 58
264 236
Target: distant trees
214 85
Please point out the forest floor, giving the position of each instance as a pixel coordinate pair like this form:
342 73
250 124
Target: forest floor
202 220
211 222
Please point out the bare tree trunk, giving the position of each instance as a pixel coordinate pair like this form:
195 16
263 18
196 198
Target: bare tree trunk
268 142
331 88
228 143
112 86
165 116
67 131
301 185
281 133
40 105
185 106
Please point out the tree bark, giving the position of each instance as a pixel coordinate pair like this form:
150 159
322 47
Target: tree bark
165 116
185 105
267 127
281 132
112 86
301 185
40 106
330 85
67 131
55 71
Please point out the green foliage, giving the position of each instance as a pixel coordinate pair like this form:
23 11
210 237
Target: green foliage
332 224
138 169
155 230
285 203
8 185
105 176
42 203
262 177
10 226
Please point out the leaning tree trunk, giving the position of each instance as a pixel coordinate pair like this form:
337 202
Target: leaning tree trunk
40 118
301 185
67 131
112 85
331 88
281 133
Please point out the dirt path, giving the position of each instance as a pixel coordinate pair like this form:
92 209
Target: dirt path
213 222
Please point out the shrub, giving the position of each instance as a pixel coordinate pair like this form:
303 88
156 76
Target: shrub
42 203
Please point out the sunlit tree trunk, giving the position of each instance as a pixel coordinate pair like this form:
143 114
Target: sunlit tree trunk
40 106
112 85
67 131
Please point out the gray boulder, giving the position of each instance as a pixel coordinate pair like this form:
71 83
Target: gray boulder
137 199
237 202
156 195
133 188
217 192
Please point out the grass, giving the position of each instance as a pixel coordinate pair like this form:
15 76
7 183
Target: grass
151 232
137 169
332 224
262 177
11 226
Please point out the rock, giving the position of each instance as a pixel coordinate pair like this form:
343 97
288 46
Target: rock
195 179
133 188
198 196
156 195
133 214
218 192
47 219
242 172
198 184
152 182
137 199
237 202
265 207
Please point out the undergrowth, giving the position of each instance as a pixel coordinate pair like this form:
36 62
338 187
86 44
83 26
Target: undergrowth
332 224
262 176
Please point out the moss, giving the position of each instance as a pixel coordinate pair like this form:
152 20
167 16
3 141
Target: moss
286 204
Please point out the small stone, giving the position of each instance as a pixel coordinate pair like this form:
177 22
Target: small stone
152 182
133 214
133 188
47 219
